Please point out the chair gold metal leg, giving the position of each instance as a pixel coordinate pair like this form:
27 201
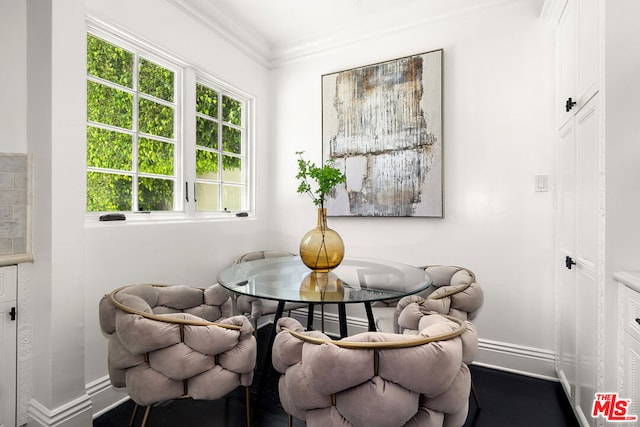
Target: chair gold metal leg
133 415
146 416
248 403
290 420
475 394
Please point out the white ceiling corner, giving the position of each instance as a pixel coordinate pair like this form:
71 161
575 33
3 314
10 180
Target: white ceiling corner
278 31
229 28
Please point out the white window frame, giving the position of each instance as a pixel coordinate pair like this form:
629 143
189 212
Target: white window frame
185 79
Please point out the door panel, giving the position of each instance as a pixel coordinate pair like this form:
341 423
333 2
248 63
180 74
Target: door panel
587 214
578 236
8 284
587 184
566 358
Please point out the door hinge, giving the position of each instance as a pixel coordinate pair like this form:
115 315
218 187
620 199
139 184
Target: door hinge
569 105
12 313
568 262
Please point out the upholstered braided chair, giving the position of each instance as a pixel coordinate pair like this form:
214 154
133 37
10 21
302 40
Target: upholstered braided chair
376 379
455 293
255 308
170 342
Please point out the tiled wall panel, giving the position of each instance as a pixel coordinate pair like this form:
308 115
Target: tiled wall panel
14 205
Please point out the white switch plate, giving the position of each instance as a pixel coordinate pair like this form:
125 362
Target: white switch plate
541 183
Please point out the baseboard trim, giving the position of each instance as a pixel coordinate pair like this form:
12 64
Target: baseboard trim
530 361
71 412
104 396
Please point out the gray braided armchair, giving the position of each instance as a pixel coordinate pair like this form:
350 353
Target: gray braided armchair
376 379
170 342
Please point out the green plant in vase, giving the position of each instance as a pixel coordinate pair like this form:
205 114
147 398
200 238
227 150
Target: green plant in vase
321 249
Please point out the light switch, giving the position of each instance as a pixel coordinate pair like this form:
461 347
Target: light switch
541 183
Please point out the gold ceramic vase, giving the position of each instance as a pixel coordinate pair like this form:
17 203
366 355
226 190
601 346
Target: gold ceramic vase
321 249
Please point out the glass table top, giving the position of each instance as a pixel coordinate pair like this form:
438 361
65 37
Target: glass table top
354 280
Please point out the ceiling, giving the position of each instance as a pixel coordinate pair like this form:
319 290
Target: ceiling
273 32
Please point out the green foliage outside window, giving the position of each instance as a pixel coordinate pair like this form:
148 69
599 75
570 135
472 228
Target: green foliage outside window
107 149
231 111
206 101
155 157
109 106
155 80
114 148
207 133
155 194
115 137
155 118
109 62
108 192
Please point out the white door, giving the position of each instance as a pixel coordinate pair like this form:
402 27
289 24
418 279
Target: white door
567 62
8 285
588 214
566 357
579 216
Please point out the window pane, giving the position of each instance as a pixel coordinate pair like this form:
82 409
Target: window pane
109 149
206 101
231 169
155 194
206 133
109 106
155 80
206 165
231 198
155 119
207 197
231 139
155 157
109 62
108 192
231 111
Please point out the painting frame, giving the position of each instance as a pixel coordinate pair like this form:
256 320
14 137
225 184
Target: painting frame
382 126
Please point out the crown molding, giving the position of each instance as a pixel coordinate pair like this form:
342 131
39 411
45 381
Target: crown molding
227 28
368 29
232 29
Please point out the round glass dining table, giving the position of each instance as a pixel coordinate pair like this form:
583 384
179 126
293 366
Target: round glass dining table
355 280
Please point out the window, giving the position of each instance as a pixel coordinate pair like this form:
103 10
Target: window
219 151
139 155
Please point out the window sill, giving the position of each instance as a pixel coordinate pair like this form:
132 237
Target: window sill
92 220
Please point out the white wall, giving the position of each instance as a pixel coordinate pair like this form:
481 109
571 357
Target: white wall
498 134
117 254
13 84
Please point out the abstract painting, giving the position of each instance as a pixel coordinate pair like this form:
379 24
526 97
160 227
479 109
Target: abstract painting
382 125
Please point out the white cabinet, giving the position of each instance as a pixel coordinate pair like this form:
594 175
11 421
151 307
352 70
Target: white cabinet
629 292
578 55
579 198
579 264
8 290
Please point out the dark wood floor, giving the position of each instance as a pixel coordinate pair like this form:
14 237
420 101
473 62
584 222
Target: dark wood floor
507 400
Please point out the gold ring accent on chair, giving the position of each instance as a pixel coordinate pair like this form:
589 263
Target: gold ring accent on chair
453 291
164 319
386 345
